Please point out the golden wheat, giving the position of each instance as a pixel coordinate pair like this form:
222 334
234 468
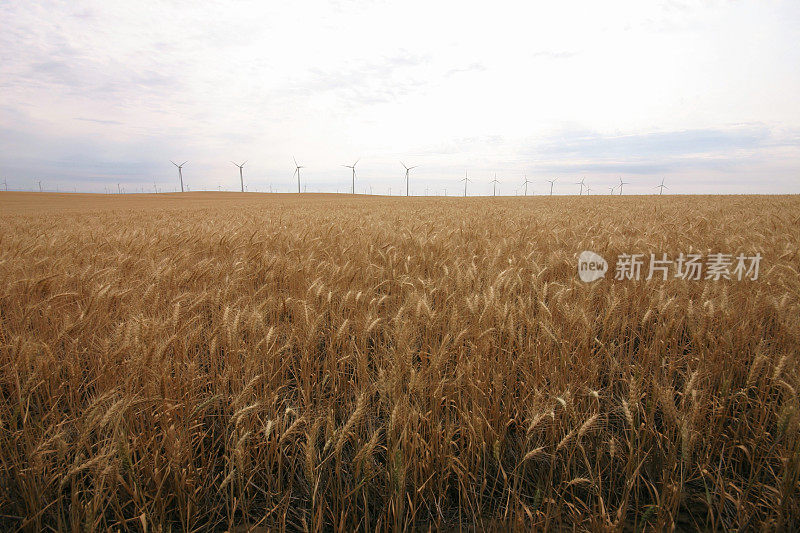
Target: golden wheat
228 361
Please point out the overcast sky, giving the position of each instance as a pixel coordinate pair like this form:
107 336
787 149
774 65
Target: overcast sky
703 94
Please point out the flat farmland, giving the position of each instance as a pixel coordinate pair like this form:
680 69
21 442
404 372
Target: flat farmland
335 362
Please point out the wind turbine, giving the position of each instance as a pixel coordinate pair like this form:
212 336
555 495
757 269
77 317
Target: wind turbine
241 178
588 190
612 190
662 187
581 183
119 190
551 182
40 185
5 184
407 171
494 185
353 167
180 171
525 183
621 183
466 180
297 171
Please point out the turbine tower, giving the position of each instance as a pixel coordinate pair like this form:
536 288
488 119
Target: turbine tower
407 171
581 183
621 183
661 187
551 182
525 183
611 189
180 171
241 178
466 180
494 185
297 171
353 167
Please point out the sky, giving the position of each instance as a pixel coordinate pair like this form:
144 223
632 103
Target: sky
101 95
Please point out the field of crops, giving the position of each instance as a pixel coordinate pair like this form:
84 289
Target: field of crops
325 362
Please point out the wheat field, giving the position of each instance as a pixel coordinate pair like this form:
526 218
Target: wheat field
333 363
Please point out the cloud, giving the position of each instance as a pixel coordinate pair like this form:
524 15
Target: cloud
97 121
365 83
550 54
113 90
658 152
465 145
472 67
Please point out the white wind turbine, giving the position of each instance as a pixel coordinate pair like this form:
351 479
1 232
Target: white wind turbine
526 182
661 187
408 169
297 171
466 180
180 171
241 178
551 182
494 185
621 183
353 167
581 183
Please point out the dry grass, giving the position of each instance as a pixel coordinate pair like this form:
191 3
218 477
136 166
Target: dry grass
323 363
